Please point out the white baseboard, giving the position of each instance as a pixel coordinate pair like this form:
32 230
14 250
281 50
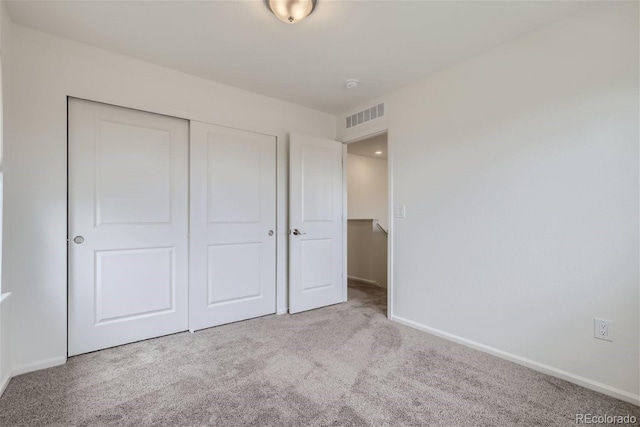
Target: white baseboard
367 281
532 364
4 383
43 364
282 311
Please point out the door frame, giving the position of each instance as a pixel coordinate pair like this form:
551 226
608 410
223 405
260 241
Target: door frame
339 182
282 281
346 142
199 133
148 324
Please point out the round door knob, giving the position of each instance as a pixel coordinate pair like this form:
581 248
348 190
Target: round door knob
78 239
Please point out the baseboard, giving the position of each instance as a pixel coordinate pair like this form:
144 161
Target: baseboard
367 281
282 311
4 383
43 364
532 364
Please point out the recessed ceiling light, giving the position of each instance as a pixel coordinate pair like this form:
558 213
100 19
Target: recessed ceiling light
291 11
352 83
378 152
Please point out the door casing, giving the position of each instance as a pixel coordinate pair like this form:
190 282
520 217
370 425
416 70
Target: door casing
281 309
124 245
317 276
178 114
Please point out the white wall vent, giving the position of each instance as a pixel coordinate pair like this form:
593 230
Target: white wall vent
365 115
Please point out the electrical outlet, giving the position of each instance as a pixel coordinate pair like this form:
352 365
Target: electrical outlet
400 212
602 329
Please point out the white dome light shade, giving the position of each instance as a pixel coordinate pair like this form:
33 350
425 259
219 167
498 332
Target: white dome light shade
291 11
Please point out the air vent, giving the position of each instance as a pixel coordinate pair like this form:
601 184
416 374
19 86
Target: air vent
365 115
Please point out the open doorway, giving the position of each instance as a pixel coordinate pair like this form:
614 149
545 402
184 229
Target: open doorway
368 217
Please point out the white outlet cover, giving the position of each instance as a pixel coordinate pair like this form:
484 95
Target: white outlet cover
400 212
602 329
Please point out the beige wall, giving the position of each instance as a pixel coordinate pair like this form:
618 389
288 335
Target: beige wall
367 252
367 199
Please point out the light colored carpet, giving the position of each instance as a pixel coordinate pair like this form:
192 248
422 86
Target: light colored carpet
343 365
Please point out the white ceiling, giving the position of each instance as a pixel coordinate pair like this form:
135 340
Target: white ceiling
385 44
368 147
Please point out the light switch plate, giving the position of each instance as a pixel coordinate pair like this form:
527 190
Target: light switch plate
400 212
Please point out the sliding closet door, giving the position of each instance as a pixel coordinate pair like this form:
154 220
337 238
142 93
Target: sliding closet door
128 224
232 265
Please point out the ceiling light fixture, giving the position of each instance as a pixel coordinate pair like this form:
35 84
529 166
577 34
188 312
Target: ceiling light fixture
352 83
378 152
291 11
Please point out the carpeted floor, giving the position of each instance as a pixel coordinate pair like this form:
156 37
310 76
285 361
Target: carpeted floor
345 365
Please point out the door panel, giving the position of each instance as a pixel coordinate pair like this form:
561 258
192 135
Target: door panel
223 269
128 189
233 217
121 178
317 184
236 162
147 288
316 211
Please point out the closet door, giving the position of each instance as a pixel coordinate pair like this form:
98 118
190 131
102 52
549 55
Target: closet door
128 224
232 265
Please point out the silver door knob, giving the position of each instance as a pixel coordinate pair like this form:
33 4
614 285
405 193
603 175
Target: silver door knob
78 239
270 232
297 232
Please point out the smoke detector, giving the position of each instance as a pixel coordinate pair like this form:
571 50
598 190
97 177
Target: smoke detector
352 83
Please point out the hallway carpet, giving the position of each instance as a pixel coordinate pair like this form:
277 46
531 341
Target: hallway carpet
344 365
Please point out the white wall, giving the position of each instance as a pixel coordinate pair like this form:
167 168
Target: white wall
519 170
5 321
367 188
5 356
48 69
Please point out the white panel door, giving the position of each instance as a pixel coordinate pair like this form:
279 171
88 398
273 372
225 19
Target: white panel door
232 263
128 225
316 221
